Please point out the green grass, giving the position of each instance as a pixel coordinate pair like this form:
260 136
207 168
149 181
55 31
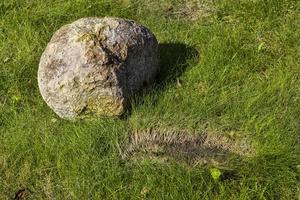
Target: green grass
239 68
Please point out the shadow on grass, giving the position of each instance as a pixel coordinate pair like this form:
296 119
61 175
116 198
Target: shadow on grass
173 61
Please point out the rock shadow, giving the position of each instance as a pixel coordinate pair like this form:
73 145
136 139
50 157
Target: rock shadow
173 61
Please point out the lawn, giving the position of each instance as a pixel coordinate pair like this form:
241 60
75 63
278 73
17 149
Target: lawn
228 67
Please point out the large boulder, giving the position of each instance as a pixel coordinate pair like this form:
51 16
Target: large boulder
91 66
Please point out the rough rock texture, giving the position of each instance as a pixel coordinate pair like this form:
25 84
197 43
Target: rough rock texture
91 66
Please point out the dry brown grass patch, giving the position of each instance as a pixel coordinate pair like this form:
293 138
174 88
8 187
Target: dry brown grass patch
183 146
181 9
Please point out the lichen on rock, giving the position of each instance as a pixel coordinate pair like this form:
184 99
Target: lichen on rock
91 66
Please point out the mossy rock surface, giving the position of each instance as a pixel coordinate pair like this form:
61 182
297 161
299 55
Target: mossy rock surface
91 66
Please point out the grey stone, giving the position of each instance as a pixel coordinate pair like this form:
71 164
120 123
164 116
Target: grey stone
92 66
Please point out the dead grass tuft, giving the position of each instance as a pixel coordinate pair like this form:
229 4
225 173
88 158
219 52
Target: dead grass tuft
183 146
190 10
48 187
194 10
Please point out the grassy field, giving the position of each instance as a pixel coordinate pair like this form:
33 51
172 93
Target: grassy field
227 67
